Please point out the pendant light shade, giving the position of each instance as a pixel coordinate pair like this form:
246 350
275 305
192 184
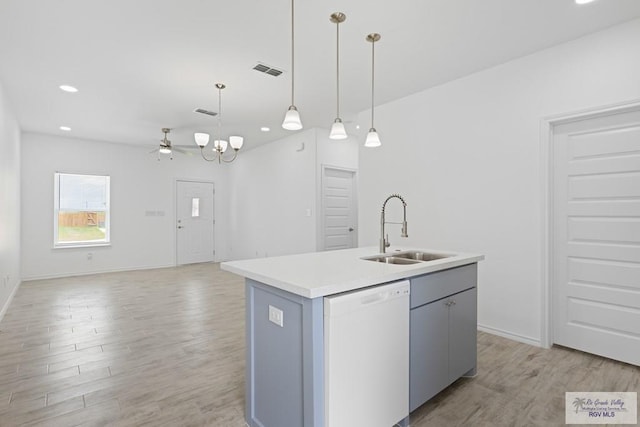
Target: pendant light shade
373 139
292 117
337 129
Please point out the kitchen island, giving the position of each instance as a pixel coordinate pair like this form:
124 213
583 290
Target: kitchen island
285 363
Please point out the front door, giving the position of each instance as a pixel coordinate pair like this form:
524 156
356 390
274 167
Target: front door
596 235
194 222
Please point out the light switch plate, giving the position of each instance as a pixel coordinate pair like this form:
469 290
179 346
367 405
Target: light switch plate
276 316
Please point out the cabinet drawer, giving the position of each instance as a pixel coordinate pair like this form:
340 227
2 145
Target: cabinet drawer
434 286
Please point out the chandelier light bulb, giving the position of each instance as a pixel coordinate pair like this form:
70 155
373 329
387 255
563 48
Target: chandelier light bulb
220 145
202 139
236 142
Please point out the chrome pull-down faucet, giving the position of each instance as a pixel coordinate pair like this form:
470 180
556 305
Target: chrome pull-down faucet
384 241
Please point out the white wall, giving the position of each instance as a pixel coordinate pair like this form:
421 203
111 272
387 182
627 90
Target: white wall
139 183
272 188
262 200
9 203
338 153
467 157
275 186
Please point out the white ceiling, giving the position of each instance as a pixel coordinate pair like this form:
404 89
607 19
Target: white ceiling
145 64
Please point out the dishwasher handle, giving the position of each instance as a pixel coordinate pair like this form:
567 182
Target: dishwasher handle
339 304
372 299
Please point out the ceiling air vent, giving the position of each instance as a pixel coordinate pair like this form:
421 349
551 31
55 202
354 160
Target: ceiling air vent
267 69
203 111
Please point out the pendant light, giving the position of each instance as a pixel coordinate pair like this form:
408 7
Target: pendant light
219 145
373 140
292 117
337 128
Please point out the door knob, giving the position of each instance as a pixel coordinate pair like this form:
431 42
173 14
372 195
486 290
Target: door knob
350 228
180 226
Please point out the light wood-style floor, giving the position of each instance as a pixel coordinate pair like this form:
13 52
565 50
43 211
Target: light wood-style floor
166 347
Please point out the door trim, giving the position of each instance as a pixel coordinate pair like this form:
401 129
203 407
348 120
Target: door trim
320 203
175 216
547 125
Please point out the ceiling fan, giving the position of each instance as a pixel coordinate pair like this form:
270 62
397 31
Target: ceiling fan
166 147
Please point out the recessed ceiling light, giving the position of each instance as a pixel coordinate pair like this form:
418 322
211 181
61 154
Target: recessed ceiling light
68 88
584 1
265 129
65 128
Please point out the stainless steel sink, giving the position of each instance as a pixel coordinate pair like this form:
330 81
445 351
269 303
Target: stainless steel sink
419 256
391 260
406 257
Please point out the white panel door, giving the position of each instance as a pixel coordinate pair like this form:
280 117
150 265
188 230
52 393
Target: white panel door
596 245
195 222
339 216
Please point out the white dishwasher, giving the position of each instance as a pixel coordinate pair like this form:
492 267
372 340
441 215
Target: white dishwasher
366 356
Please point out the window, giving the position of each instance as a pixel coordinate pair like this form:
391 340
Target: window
195 207
81 210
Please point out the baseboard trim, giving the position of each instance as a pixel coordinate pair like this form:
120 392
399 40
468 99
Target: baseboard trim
89 273
9 300
510 335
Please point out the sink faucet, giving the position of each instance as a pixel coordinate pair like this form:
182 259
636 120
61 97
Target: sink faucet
384 241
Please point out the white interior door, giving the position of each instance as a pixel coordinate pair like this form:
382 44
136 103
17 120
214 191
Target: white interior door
339 214
596 238
195 222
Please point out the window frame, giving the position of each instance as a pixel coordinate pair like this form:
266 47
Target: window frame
56 212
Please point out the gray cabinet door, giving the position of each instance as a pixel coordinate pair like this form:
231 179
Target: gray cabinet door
429 352
462 333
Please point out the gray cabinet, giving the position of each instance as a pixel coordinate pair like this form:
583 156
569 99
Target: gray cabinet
463 334
443 325
283 361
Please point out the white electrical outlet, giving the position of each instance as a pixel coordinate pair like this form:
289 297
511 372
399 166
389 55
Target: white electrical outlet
276 316
89 256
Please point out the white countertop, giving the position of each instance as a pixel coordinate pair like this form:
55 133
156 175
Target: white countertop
319 274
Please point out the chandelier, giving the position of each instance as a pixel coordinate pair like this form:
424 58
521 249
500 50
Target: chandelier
219 145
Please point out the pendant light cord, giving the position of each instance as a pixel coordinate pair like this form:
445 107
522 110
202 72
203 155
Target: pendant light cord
219 115
372 78
292 51
338 69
